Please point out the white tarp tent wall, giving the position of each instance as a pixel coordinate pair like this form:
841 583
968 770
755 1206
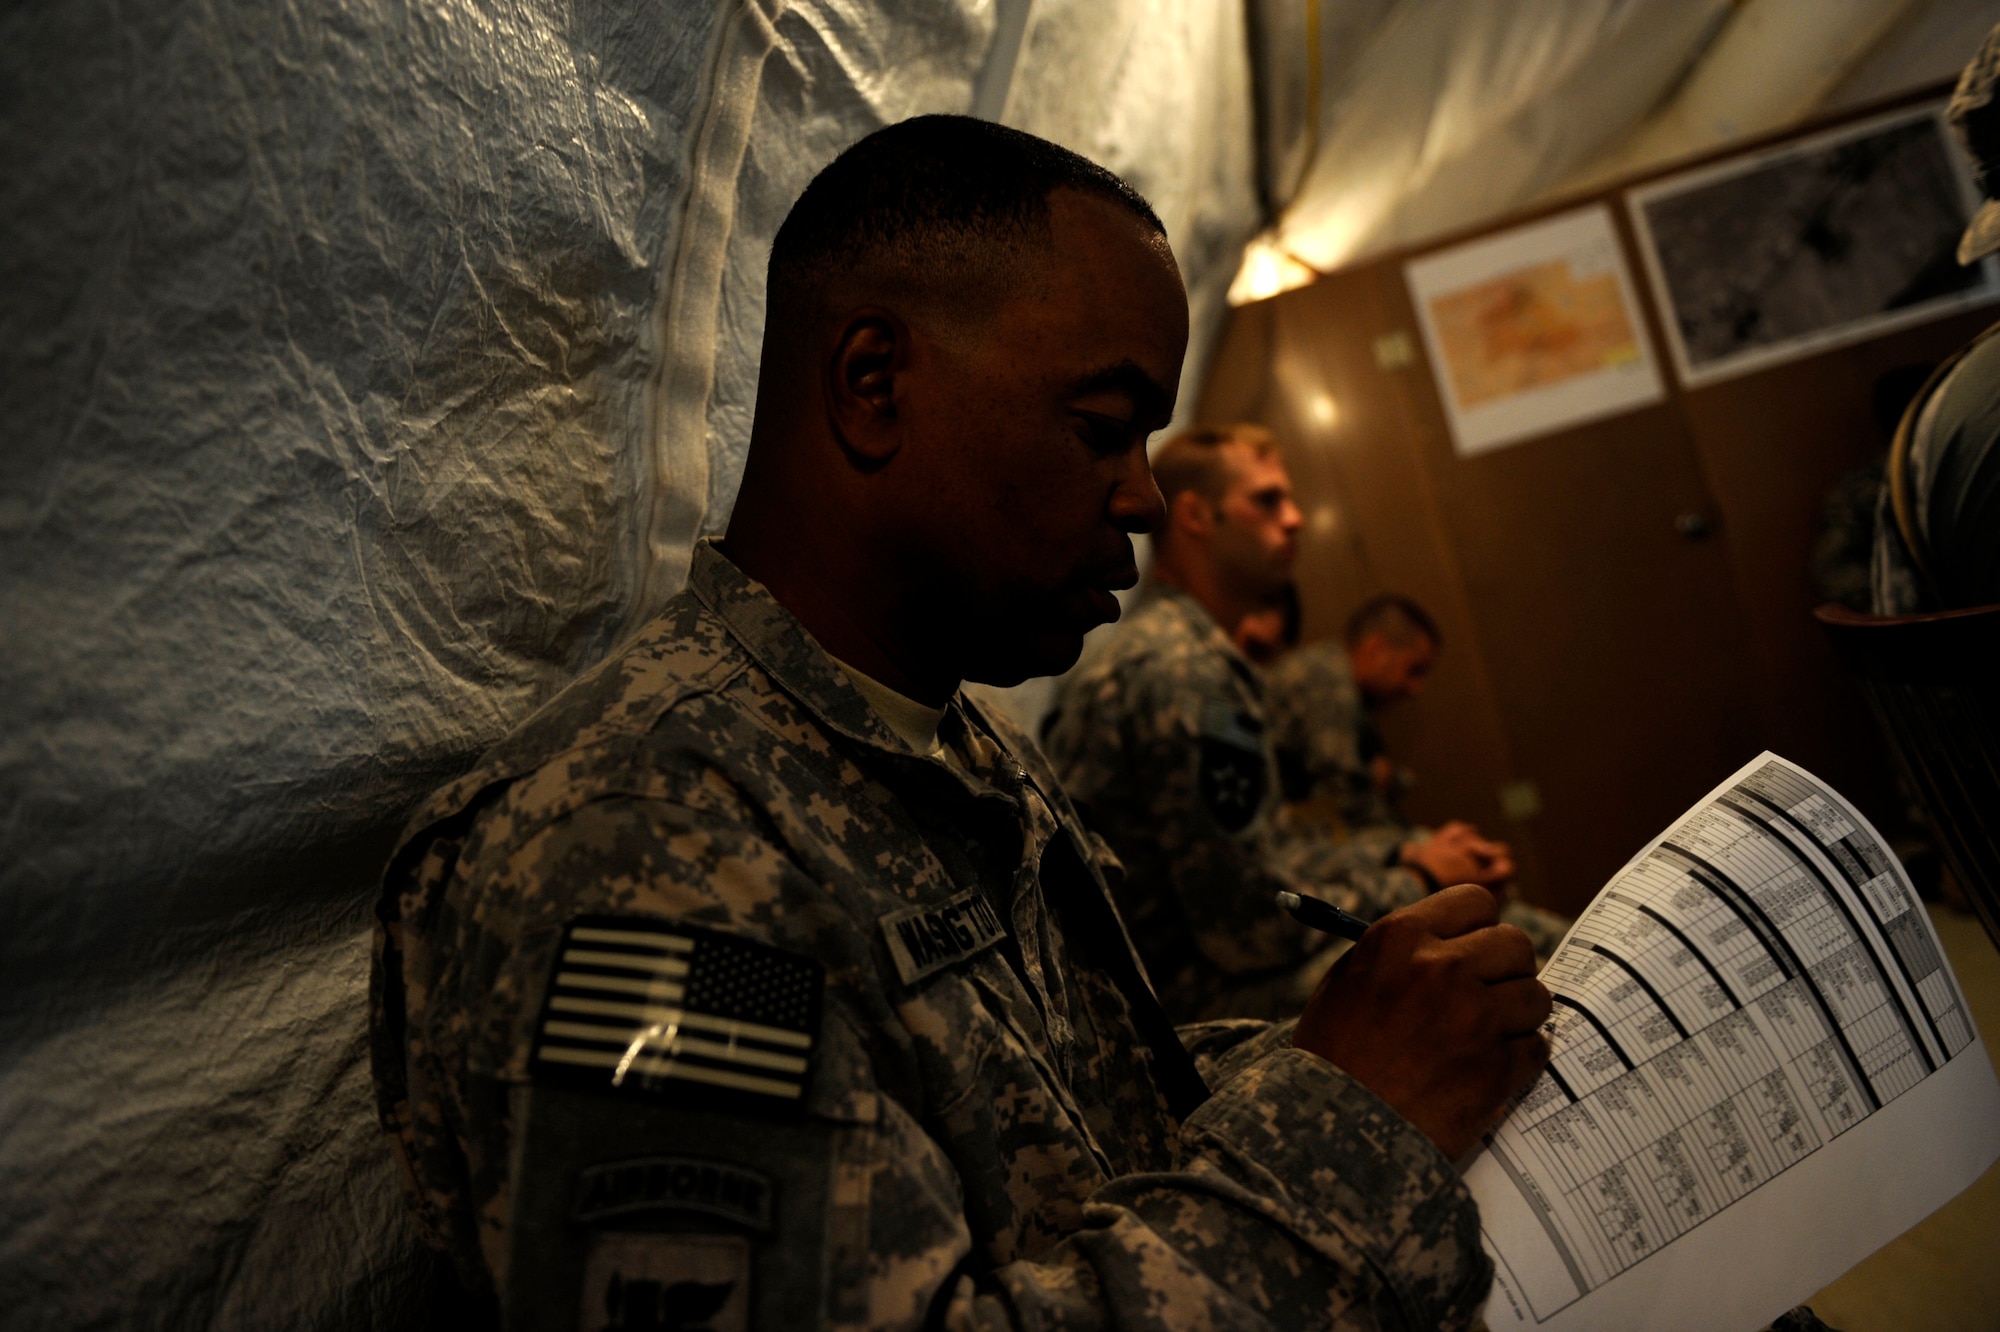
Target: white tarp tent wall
367 367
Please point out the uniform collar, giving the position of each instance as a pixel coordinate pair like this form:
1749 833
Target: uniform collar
790 655
793 658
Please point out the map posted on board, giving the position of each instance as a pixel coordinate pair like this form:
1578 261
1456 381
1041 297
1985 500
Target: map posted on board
1763 1070
1533 330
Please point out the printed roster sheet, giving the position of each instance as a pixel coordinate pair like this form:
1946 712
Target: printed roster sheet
1763 1070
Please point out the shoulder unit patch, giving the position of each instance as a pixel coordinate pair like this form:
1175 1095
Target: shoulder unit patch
697 1283
654 1006
1233 777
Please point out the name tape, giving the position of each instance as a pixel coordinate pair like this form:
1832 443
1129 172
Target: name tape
926 939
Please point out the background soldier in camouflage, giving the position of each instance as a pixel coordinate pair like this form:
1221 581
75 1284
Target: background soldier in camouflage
1162 739
1322 699
762 979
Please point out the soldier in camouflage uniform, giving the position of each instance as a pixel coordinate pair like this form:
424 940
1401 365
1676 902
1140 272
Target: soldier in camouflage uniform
1329 751
1336 775
745 986
1162 741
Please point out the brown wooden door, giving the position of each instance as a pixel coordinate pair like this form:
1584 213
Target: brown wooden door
1613 634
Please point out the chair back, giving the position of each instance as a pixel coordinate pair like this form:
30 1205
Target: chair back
1934 681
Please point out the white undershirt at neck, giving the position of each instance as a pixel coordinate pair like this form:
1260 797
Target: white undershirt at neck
914 723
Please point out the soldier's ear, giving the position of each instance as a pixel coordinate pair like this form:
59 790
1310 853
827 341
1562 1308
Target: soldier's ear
1192 513
862 383
1365 653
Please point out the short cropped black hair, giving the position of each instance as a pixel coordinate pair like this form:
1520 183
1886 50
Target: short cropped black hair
932 195
1398 619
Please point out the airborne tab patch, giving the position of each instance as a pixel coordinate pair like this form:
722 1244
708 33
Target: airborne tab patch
675 1184
929 938
648 1005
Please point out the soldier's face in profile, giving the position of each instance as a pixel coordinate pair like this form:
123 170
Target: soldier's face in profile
1256 533
1046 413
1388 671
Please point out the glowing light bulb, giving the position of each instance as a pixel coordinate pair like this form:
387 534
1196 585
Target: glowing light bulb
1266 271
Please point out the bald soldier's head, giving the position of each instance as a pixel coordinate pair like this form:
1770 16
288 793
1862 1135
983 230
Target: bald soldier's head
969 335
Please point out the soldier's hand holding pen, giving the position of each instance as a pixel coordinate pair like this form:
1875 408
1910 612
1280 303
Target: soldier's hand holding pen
1437 1011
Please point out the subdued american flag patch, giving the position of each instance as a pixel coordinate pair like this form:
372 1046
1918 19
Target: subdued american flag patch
655 1006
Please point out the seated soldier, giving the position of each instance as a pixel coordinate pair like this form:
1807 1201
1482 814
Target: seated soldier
1322 700
1161 739
1270 628
763 979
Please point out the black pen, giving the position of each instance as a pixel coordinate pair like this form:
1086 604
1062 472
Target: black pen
1324 916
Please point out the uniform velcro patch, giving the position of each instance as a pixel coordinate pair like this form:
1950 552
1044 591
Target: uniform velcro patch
928 938
648 1005
1233 763
675 1184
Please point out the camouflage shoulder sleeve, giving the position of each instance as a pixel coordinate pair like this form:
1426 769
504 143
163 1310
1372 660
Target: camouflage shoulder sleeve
1350 873
1366 1227
1316 711
1288 686
1299 1200
1201 822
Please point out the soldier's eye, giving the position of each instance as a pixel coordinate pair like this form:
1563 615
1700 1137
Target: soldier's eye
1104 434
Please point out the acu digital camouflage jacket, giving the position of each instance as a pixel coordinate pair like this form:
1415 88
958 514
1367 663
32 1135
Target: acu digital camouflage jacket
1325 744
1324 739
1162 739
966 1121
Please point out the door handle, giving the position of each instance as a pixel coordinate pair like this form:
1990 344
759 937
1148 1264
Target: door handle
1694 525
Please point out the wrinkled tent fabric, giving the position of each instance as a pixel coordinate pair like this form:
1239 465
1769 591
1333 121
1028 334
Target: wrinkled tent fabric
368 367
1408 118
327 345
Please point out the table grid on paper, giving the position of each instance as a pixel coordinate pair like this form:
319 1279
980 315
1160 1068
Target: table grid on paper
1740 996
